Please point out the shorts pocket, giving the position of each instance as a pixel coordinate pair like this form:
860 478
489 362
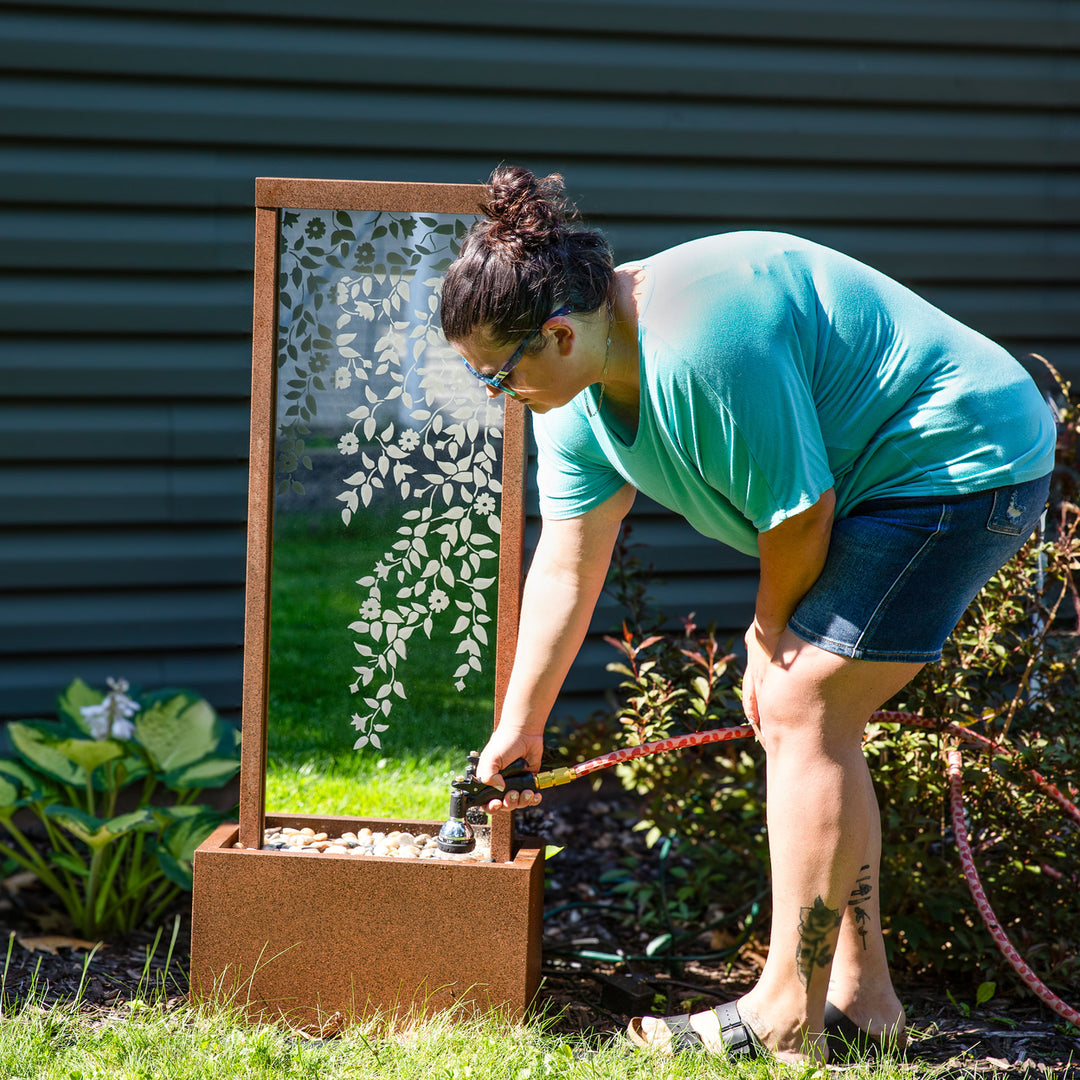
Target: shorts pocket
1015 510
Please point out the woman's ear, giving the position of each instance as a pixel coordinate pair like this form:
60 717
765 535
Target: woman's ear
565 336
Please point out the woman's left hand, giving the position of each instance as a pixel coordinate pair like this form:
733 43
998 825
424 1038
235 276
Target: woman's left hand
760 647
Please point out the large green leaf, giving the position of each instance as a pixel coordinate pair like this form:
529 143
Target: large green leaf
182 838
95 832
36 741
178 871
9 795
18 773
178 731
133 766
90 754
176 848
74 699
209 773
70 863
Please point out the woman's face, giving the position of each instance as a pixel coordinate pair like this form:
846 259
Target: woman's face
540 380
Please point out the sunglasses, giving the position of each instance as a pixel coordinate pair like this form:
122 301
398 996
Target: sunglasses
516 356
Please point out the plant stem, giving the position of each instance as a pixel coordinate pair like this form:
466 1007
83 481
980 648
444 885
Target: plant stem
107 881
91 890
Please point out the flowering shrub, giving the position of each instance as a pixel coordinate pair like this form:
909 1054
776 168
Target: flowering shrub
112 867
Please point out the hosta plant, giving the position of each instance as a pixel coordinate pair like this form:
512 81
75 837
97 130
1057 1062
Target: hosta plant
101 804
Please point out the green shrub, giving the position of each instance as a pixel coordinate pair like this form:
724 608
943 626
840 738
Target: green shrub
1009 672
113 785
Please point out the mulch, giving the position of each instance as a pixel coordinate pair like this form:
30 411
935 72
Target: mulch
1012 1035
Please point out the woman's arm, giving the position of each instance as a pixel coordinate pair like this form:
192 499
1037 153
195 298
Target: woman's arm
564 581
792 556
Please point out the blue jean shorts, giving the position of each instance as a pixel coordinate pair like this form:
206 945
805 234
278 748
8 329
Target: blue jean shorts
900 573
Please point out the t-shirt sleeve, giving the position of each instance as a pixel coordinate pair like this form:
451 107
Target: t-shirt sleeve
573 476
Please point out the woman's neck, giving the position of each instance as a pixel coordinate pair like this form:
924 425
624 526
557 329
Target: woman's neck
623 372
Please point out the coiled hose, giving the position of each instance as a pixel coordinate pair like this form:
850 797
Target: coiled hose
954 764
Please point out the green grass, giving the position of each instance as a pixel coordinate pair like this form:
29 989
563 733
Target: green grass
147 1041
157 1035
313 767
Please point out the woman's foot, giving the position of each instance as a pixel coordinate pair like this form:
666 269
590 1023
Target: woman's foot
856 1031
719 1031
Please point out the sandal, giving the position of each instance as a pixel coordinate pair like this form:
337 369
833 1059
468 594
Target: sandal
849 1043
735 1036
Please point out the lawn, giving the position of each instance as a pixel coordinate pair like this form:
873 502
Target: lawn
313 767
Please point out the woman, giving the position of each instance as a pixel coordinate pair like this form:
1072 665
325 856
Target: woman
880 459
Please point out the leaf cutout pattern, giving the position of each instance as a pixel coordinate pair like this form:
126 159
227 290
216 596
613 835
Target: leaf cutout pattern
362 360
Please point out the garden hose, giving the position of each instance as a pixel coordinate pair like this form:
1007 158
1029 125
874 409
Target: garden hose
954 760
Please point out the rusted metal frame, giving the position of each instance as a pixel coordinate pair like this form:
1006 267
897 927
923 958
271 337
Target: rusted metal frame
511 557
260 531
271 196
393 197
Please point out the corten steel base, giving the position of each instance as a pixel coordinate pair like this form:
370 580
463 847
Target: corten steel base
301 938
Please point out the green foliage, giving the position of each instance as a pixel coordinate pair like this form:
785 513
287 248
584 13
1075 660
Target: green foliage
112 783
702 807
1009 672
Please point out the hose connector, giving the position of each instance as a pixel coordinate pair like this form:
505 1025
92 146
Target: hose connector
554 777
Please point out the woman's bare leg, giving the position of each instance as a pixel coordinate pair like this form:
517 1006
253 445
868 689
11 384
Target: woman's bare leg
860 985
813 706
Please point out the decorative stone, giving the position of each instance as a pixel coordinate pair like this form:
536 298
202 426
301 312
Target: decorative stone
397 844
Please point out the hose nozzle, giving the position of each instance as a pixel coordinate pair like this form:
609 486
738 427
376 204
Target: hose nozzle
456 835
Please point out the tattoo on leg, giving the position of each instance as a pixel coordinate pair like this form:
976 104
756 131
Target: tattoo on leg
859 896
816 924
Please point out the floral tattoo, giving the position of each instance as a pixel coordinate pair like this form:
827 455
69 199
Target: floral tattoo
816 925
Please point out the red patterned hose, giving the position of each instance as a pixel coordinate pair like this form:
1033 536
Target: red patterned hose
971 876
955 770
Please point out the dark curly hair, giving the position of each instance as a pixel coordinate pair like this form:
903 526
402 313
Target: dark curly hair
526 258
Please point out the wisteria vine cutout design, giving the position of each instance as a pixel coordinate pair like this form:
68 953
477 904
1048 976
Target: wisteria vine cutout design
358 302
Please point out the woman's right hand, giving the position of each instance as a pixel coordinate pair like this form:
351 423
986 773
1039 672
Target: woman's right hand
506 746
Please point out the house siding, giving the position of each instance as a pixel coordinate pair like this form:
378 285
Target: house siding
937 141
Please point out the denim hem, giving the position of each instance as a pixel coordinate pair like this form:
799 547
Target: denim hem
842 648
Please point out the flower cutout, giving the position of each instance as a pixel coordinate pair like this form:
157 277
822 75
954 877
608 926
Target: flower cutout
371 608
485 503
315 228
342 378
348 443
439 600
365 255
382 571
409 440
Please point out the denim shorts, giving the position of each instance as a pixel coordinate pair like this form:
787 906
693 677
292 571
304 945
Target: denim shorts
900 573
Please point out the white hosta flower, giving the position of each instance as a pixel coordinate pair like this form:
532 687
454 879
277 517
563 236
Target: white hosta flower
112 718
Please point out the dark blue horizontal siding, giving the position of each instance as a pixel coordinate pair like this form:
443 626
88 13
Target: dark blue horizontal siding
39 562
969 24
936 141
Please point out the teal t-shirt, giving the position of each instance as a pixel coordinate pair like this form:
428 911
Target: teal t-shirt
772 369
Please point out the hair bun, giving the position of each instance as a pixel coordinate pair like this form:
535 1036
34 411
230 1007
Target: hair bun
526 212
